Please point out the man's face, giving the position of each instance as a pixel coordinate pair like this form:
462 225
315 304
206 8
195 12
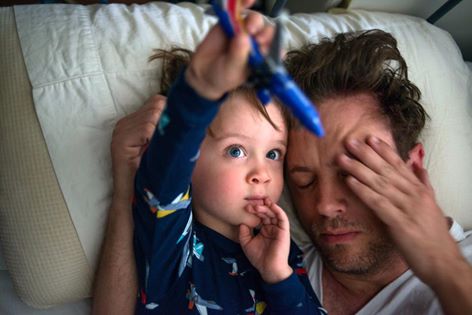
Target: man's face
350 238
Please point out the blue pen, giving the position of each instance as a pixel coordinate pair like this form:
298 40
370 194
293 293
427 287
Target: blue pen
280 84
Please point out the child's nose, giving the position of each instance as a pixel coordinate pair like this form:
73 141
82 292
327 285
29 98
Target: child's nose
259 175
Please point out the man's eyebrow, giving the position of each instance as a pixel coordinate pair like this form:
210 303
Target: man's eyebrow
300 169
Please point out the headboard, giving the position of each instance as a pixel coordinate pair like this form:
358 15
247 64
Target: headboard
69 72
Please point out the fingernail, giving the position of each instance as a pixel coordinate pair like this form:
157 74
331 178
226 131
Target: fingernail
354 142
374 140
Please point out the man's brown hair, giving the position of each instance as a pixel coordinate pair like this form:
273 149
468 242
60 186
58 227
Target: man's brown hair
358 62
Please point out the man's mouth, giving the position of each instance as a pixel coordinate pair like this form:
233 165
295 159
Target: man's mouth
338 236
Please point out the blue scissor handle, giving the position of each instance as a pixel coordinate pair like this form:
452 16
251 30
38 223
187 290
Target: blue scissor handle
285 89
281 84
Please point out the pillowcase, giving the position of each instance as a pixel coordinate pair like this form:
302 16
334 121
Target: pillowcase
87 67
39 242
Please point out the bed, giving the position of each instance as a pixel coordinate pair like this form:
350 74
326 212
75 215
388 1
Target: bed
69 72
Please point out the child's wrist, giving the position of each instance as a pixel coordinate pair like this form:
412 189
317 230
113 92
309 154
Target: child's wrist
200 86
275 276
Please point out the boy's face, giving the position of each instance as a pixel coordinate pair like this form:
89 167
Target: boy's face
241 163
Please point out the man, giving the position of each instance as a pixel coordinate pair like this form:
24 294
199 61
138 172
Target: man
361 193
370 214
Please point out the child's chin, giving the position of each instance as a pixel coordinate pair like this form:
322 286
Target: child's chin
253 222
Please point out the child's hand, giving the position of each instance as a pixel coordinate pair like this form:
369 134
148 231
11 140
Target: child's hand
219 64
268 251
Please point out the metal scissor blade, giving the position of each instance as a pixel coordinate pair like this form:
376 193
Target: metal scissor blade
275 51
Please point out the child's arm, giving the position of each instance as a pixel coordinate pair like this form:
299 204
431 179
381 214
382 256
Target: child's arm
280 263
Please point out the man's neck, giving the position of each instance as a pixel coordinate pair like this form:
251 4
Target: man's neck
345 293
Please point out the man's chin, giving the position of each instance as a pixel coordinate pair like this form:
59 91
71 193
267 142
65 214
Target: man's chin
355 260
340 257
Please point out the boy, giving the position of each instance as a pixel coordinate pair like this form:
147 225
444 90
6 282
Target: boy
235 168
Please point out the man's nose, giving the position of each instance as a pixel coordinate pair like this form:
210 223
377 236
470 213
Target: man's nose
331 199
259 174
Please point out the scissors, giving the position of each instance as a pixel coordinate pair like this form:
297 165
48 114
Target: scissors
268 73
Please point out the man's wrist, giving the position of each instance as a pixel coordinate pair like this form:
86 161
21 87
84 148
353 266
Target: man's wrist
448 270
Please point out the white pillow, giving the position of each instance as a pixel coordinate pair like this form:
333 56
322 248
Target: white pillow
88 68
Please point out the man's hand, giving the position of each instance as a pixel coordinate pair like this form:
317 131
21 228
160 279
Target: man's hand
130 138
115 283
400 194
268 250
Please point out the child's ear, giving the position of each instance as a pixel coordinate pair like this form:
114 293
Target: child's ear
416 155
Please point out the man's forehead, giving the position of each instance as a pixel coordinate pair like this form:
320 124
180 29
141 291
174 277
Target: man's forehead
344 117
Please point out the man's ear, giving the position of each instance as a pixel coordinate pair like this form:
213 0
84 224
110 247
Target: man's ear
416 155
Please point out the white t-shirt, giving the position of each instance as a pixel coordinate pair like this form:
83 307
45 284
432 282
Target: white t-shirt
405 295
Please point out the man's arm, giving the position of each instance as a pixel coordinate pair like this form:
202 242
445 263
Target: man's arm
400 194
115 284
452 282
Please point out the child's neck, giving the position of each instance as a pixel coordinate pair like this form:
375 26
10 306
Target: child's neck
225 229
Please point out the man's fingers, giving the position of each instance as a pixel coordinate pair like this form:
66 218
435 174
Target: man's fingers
157 100
139 127
383 208
150 112
372 169
391 156
153 109
387 186
422 174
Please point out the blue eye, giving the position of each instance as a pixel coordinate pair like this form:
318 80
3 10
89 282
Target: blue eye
274 155
235 151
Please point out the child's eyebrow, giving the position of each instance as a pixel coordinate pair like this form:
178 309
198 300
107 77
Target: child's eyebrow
223 136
